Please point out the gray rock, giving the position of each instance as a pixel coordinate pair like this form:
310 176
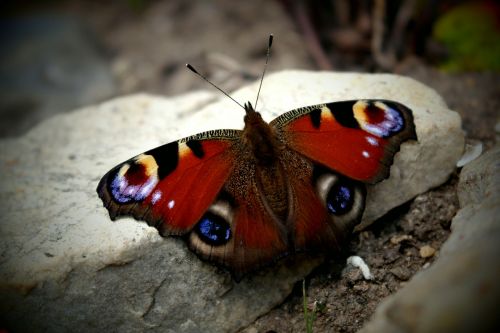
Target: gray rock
460 291
66 267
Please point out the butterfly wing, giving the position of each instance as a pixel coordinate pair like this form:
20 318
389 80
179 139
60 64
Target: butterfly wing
253 238
323 206
171 187
358 139
201 187
343 145
326 212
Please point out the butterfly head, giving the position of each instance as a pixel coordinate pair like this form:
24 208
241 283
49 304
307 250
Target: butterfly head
259 136
252 117
249 108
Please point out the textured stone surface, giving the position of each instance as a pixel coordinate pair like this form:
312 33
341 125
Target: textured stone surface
65 266
460 291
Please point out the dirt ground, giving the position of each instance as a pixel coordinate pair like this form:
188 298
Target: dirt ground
396 246
394 249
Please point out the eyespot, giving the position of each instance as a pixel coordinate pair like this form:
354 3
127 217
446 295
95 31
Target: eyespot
344 198
213 229
378 118
134 180
340 199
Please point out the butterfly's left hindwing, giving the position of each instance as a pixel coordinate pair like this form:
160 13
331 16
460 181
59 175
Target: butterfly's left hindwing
326 209
171 187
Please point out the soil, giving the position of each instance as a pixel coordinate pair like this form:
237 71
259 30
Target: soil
396 246
391 247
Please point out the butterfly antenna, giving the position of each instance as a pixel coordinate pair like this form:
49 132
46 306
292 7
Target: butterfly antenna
265 67
204 78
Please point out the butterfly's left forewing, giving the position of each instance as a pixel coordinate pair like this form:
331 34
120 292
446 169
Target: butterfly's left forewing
355 138
170 187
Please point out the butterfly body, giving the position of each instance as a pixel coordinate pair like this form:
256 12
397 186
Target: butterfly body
243 199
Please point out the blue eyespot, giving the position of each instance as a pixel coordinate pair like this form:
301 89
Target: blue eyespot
213 230
340 199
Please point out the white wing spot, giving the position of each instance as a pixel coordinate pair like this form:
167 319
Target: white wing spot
371 140
171 204
156 196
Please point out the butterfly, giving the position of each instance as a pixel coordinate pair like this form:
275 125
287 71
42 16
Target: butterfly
243 199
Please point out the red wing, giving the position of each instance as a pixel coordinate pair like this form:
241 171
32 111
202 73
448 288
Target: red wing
238 231
324 206
355 138
327 206
171 187
258 237
314 227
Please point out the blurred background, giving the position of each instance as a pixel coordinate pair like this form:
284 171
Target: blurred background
62 54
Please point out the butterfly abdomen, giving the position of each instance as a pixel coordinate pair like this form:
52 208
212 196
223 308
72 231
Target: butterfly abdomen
269 179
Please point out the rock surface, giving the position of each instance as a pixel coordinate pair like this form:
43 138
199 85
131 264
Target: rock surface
460 291
65 266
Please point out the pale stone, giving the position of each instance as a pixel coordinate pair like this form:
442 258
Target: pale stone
65 266
472 151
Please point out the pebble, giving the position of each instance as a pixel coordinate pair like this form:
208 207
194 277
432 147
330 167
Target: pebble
400 238
427 251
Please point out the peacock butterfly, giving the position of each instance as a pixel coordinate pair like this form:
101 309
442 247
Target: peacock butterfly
244 198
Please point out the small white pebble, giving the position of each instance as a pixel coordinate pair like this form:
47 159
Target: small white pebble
400 238
472 151
358 262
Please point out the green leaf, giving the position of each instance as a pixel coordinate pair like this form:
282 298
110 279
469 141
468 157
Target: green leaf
471 34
